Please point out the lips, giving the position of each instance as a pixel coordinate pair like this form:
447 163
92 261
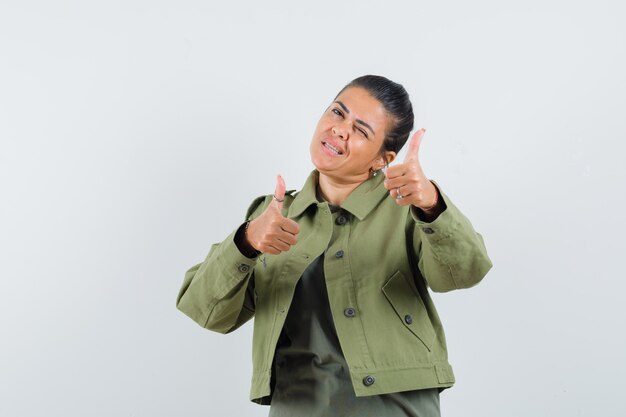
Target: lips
333 147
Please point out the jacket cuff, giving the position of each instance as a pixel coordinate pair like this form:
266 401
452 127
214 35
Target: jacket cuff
444 225
230 258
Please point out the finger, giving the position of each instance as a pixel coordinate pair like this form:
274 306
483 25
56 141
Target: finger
273 246
280 245
270 249
279 193
288 238
396 171
403 201
414 146
399 193
290 226
395 183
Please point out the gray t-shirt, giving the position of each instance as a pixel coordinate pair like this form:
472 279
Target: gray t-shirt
311 377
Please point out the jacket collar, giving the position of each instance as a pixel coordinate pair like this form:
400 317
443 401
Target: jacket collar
360 202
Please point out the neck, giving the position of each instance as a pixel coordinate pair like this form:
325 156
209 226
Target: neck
336 190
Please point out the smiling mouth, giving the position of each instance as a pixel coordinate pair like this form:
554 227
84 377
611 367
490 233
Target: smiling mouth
332 148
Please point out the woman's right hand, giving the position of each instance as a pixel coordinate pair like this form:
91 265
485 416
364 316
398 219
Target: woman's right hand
272 232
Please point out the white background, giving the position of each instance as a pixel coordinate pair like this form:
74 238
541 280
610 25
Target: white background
134 134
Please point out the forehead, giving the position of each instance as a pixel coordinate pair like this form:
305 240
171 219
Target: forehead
364 106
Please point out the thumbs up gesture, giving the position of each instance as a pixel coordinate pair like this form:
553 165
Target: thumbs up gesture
407 183
272 232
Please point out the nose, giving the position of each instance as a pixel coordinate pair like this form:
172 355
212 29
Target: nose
339 132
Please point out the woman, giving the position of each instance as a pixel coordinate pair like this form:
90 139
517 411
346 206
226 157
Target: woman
337 275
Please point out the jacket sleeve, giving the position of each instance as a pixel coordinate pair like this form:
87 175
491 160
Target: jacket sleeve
452 255
218 293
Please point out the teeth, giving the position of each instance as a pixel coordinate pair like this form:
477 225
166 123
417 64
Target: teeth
332 148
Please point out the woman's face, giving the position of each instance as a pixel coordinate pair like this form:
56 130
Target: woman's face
349 135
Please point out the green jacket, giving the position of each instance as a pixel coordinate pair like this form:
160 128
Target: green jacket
377 275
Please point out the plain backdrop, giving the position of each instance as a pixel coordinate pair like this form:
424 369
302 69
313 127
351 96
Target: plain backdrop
134 134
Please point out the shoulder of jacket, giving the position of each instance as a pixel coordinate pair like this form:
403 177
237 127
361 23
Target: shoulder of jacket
260 203
257 206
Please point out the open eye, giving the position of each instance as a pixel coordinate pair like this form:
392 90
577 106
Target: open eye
337 112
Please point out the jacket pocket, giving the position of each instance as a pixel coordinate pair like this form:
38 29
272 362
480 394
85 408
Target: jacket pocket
409 307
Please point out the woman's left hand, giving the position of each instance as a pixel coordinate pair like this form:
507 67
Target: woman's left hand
407 183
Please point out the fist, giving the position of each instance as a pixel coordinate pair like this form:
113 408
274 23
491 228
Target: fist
272 232
407 183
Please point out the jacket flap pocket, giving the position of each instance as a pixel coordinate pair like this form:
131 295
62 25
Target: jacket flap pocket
409 307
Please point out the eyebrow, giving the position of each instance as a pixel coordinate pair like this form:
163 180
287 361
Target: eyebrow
343 106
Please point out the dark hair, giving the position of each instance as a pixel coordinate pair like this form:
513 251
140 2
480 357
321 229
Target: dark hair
395 100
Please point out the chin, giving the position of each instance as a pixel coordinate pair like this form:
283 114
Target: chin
319 167
316 160
320 164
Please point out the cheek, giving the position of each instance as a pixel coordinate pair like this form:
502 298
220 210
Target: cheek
315 147
363 147
321 127
366 151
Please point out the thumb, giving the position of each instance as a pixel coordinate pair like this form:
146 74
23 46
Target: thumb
414 146
279 193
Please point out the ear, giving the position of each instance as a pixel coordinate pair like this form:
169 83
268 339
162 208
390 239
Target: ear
385 159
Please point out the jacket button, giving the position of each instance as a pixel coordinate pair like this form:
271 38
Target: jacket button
428 230
408 319
339 254
368 380
341 220
244 268
349 312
